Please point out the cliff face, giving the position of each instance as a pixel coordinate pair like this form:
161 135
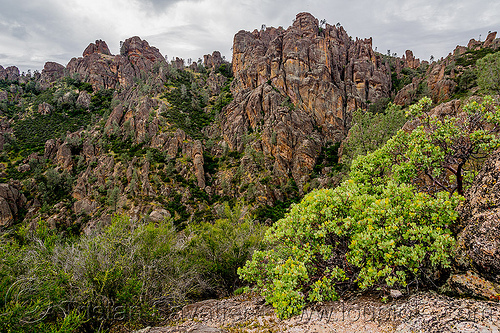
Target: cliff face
298 88
103 70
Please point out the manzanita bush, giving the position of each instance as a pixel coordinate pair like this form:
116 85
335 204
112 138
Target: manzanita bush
379 228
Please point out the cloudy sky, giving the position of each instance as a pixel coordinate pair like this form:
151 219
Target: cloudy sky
35 31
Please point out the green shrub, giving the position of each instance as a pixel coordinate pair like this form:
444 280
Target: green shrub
218 249
387 224
374 237
129 270
488 73
371 130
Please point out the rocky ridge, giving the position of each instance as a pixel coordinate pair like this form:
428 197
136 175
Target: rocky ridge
298 87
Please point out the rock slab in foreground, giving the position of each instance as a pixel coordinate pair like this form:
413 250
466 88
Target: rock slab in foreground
422 312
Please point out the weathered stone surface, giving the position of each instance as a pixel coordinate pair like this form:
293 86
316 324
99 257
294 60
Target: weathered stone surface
63 157
99 46
51 72
51 147
489 40
11 200
44 108
215 83
83 99
84 206
197 155
104 70
422 312
178 63
23 168
212 61
440 86
158 215
474 44
407 94
472 285
478 241
299 87
410 61
10 73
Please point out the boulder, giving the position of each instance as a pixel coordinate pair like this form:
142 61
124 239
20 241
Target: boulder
44 108
84 206
51 72
159 215
83 99
478 240
11 201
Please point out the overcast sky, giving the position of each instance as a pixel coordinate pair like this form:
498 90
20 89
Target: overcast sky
35 31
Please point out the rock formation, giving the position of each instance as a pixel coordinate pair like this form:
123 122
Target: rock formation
478 246
213 60
10 73
51 72
11 201
104 70
298 87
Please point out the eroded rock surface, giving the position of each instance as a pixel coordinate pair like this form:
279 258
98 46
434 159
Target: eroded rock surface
298 87
422 312
478 245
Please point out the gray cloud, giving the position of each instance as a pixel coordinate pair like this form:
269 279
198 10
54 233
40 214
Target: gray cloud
32 31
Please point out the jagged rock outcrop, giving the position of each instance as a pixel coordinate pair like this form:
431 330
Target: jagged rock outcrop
99 46
478 245
83 99
104 70
10 73
44 108
441 87
212 60
490 39
410 61
407 94
178 63
51 72
298 87
11 201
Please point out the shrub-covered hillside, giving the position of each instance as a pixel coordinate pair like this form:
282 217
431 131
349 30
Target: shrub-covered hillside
132 186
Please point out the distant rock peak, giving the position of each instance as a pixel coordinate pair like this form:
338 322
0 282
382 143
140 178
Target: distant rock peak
99 46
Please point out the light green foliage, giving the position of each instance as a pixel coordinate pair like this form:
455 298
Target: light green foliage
383 227
441 153
372 130
383 236
488 73
218 249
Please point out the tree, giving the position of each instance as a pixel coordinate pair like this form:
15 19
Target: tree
488 73
442 152
113 196
370 130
